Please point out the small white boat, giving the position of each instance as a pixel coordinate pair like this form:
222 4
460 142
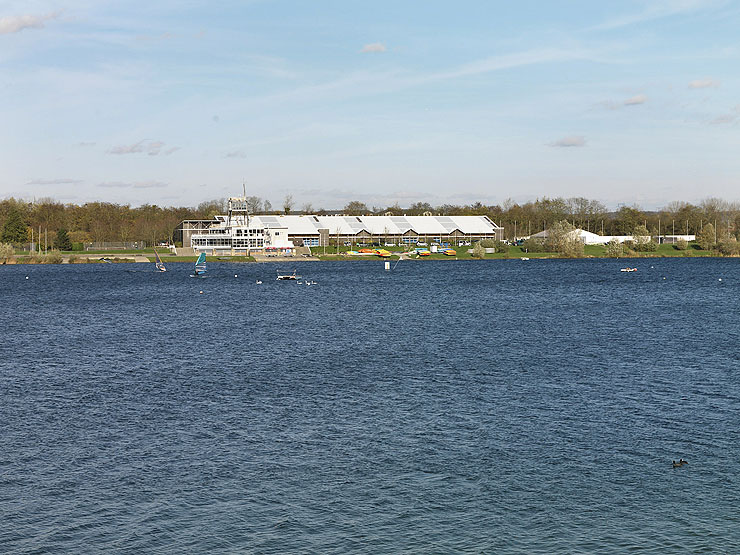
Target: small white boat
628 270
286 277
525 258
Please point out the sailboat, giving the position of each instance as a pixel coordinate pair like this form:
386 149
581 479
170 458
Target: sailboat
284 277
200 266
159 265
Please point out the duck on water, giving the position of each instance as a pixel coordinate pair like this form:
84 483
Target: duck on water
680 463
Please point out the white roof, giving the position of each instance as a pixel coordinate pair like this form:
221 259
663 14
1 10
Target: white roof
582 233
379 225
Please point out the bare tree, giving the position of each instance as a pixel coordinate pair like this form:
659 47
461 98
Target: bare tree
356 208
254 205
288 204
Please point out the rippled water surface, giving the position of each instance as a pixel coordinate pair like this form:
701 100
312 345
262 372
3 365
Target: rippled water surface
495 406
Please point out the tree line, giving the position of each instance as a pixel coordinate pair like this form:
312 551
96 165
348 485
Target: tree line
521 220
103 221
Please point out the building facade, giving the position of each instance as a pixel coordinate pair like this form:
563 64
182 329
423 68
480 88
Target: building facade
238 233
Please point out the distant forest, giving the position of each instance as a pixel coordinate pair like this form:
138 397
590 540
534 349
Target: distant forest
102 221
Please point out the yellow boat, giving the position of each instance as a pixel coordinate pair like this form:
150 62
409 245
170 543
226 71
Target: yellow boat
383 253
450 252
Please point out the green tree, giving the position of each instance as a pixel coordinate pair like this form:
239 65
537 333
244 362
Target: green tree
706 237
627 219
63 242
729 245
643 241
15 230
533 245
563 238
614 248
6 252
478 251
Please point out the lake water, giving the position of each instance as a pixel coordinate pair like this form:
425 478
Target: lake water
493 406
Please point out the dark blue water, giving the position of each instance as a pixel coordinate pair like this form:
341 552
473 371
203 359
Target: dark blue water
495 406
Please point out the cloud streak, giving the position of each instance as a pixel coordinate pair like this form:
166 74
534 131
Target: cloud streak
16 23
151 148
724 119
659 10
373 47
636 100
59 181
114 185
137 185
568 142
236 154
364 83
703 84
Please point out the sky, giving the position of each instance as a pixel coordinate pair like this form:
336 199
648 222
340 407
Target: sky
174 103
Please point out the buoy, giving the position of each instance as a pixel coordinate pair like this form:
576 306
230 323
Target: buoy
201 292
720 279
27 278
235 275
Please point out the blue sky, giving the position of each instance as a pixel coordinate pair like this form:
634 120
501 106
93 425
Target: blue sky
173 103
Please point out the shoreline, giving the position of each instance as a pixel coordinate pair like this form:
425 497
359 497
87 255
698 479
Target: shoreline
112 258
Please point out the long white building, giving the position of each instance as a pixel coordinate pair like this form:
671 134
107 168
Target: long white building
238 232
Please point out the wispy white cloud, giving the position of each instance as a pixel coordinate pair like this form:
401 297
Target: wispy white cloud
136 185
55 181
15 23
631 101
636 100
152 148
724 119
659 9
570 141
368 82
162 36
114 185
373 47
507 61
85 144
236 154
703 84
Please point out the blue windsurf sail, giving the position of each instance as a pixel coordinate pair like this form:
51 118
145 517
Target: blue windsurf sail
200 264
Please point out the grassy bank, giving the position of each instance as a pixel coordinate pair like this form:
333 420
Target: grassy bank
340 253
211 259
514 252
